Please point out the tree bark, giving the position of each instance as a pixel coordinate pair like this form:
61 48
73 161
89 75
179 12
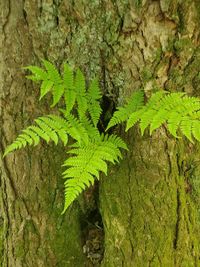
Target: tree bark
149 203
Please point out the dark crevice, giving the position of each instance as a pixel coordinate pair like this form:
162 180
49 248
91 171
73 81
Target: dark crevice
177 221
92 227
108 106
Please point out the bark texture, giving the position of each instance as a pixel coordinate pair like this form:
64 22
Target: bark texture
150 204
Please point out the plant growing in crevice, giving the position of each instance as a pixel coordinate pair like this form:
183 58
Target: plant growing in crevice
91 149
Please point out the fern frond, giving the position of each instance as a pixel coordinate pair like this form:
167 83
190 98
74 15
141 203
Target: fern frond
93 132
80 93
32 134
88 161
93 96
133 119
149 111
196 129
186 127
174 120
38 73
123 113
46 86
178 111
48 128
70 93
59 125
25 138
58 91
51 80
53 73
54 76
77 129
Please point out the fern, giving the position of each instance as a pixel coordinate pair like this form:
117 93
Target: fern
48 128
77 130
51 80
179 112
70 94
92 151
88 161
93 97
123 113
80 93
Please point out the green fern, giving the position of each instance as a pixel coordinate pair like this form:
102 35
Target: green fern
93 97
80 93
88 161
51 80
92 151
70 93
48 128
123 113
179 112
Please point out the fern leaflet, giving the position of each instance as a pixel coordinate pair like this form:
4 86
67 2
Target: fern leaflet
80 93
70 93
93 97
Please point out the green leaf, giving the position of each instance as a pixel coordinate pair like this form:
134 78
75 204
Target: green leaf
38 73
58 91
70 93
196 129
45 88
80 93
186 128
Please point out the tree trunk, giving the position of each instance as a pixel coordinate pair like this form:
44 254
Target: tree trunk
150 202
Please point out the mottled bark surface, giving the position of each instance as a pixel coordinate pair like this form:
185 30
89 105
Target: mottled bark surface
150 203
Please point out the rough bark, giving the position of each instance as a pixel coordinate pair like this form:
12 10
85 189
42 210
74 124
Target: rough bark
150 203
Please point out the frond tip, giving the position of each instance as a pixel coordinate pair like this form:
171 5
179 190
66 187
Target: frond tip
48 128
87 162
122 114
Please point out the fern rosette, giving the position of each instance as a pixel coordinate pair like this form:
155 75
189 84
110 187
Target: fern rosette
92 151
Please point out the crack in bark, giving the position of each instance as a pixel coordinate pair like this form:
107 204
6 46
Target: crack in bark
176 235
